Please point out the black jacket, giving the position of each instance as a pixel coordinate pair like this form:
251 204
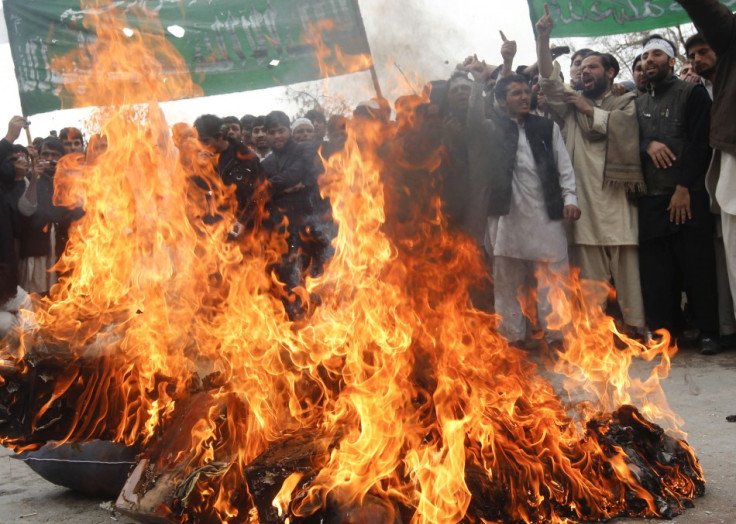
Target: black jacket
240 166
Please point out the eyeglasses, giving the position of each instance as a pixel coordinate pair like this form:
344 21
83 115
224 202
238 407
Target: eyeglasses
15 158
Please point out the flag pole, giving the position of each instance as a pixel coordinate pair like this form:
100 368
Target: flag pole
361 27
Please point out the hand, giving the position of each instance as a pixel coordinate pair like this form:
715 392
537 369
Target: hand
691 77
15 126
39 168
296 187
679 207
545 24
32 153
579 102
478 69
571 212
463 66
618 89
508 48
660 154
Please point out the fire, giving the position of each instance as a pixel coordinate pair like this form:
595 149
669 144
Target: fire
170 338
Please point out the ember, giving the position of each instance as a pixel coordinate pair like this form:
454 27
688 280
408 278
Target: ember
392 400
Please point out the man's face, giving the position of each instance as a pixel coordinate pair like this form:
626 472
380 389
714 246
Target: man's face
73 145
216 144
260 138
657 65
246 135
576 69
596 79
303 133
49 158
320 128
21 163
338 132
703 59
518 100
278 136
458 97
640 79
685 70
232 131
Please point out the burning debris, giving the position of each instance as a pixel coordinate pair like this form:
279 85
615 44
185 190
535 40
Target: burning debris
392 400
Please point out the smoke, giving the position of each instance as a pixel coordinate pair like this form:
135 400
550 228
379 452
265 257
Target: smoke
427 38
420 40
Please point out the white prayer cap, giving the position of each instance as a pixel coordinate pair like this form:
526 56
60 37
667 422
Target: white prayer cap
302 122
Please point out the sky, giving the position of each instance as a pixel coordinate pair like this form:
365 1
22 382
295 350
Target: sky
424 38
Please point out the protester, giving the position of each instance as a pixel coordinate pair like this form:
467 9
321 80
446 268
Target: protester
72 139
531 189
337 135
717 25
260 138
640 79
232 128
302 130
601 134
292 170
237 165
44 227
675 224
687 73
11 162
703 60
246 129
576 65
412 177
319 122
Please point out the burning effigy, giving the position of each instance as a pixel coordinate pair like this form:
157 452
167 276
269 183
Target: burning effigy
392 399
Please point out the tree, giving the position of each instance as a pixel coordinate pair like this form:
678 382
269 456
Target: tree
314 96
625 47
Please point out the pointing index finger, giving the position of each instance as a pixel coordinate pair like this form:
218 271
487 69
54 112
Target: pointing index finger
503 36
546 9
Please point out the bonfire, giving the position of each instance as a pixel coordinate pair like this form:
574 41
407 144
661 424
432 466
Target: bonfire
392 400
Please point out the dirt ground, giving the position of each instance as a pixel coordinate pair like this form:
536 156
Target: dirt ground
701 389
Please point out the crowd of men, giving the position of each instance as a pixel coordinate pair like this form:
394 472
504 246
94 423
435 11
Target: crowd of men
632 183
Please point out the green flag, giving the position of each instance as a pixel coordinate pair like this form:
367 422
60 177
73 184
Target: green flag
228 45
610 17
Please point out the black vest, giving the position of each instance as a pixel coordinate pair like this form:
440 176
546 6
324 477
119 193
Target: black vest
539 133
662 115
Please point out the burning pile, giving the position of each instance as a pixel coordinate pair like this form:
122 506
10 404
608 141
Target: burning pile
393 400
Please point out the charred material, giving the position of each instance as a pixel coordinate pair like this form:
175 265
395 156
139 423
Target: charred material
58 397
655 459
171 482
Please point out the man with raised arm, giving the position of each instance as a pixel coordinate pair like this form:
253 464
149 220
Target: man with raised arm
717 24
530 190
602 137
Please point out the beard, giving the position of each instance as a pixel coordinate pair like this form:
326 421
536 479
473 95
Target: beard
661 73
597 89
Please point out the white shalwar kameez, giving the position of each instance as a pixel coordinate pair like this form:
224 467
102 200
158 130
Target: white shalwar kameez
526 240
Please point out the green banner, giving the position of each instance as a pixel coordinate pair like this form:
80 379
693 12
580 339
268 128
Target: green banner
229 45
610 17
